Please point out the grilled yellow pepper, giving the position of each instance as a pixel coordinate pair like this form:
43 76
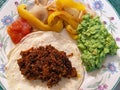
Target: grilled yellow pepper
69 3
58 26
64 16
71 30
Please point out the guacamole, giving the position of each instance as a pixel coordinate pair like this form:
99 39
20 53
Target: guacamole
94 42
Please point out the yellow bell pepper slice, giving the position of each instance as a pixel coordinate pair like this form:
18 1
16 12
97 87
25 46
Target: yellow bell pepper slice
71 30
69 3
36 22
73 36
58 26
64 16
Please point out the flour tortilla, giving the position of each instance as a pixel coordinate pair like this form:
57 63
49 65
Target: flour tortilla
17 81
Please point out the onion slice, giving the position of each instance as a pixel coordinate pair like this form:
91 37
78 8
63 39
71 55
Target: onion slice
40 12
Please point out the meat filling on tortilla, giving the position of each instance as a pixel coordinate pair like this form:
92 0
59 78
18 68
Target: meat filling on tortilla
47 64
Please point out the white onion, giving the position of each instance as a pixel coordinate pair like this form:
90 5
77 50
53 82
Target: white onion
42 2
40 12
74 12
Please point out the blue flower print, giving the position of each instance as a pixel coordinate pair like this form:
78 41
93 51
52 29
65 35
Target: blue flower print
102 87
1 45
2 67
118 39
7 20
16 3
112 68
98 5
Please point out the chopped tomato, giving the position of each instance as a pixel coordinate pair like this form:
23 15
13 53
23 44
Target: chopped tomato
18 29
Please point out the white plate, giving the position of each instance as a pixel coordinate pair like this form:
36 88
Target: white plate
104 79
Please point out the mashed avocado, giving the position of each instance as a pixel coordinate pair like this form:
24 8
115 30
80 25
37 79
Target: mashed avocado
94 42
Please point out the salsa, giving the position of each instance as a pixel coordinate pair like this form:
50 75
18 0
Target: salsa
18 29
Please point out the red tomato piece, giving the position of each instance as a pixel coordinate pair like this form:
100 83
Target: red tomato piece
18 29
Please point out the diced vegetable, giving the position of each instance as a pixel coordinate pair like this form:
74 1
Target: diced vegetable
18 29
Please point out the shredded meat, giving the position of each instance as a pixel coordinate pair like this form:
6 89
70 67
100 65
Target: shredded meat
47 64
